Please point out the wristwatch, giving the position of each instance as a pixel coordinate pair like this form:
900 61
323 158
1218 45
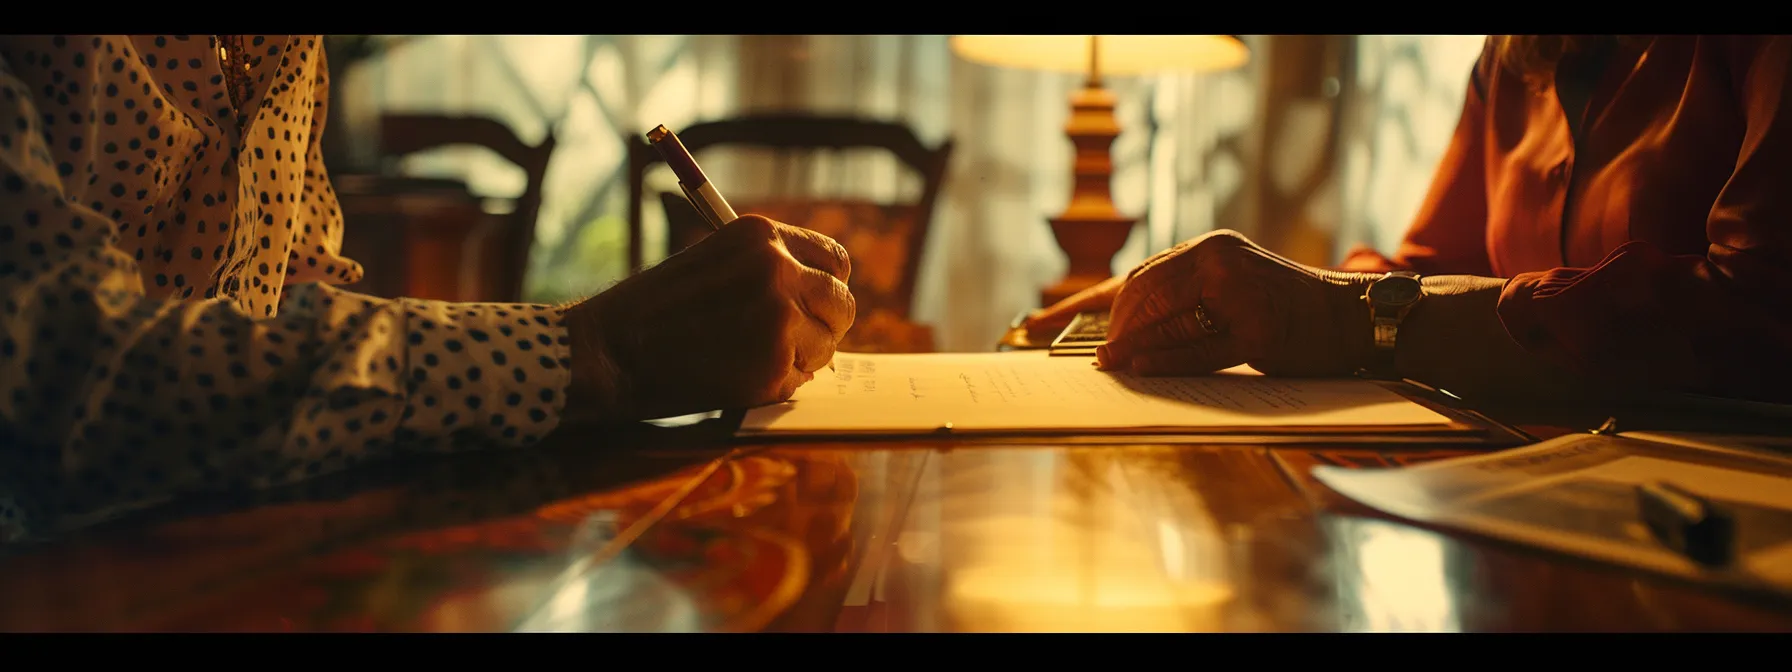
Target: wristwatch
1390 298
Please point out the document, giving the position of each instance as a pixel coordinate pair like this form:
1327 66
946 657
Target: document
1033 392
1577 495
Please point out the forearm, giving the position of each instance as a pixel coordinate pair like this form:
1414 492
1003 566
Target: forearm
1454 340
1655 323
113 399
140 401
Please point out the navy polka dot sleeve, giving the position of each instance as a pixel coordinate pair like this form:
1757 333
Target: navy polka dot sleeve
168 241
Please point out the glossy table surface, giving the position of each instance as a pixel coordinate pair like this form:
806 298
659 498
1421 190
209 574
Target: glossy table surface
681 529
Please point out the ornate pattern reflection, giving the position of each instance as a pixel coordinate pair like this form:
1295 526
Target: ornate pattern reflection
832 537
734 554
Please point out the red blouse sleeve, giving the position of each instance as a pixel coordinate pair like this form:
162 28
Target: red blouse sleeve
1449 234
1718 324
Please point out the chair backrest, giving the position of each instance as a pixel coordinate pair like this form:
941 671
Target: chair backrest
855 223
404 134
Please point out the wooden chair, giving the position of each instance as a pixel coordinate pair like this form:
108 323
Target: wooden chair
886 240
494 255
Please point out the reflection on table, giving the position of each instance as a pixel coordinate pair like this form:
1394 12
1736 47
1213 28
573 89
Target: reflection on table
842 537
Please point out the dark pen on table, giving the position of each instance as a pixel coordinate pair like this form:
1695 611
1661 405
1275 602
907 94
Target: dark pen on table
1681 521
697 187
1694 527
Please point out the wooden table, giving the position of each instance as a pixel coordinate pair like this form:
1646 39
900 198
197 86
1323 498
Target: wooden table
678 529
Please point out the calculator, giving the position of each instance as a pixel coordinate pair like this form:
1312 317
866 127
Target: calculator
1086 332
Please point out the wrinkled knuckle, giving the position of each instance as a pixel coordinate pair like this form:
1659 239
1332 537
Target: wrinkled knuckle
849 307
838 295
836 251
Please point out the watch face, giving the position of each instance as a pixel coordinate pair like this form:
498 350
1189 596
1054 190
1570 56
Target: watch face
1395 291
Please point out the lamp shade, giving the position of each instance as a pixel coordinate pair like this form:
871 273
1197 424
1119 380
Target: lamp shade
1119 55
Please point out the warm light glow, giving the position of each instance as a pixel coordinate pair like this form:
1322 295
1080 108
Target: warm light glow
1039 574
1400 581
1120 54
1040 599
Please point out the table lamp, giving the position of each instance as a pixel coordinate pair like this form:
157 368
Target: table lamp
1091 230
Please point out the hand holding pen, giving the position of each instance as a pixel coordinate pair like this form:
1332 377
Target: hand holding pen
740 319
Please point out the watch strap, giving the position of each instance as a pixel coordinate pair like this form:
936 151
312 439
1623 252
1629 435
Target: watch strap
1381 364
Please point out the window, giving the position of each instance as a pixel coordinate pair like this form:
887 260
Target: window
1408 98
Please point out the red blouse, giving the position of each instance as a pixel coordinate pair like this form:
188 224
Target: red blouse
1656 250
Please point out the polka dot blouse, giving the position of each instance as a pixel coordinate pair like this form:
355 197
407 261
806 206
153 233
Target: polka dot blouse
168 242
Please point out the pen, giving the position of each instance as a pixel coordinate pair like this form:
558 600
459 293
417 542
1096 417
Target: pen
1687 523
696 185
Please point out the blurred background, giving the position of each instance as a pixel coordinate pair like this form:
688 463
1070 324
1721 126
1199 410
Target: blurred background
512 167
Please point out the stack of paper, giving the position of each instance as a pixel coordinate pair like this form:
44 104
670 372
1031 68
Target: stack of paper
1031 392
1577 494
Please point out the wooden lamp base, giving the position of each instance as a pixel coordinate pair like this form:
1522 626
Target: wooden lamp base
1091 230
1091 244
